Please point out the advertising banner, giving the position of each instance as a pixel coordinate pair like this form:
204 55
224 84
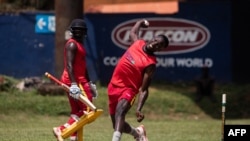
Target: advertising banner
198 37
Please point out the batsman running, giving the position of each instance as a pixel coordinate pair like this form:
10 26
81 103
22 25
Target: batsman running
75 75
132 77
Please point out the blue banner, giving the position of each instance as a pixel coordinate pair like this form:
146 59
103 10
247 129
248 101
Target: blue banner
198 37
24 53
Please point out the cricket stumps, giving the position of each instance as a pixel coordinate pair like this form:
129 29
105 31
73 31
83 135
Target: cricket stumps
85 119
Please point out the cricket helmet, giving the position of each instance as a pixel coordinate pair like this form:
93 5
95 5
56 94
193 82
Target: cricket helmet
78 28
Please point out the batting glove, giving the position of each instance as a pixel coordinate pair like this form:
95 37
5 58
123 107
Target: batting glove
93 89
74 91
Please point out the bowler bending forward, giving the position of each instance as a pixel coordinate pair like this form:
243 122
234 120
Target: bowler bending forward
131 77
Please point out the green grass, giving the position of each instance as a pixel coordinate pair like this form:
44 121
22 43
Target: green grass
170 114
23 127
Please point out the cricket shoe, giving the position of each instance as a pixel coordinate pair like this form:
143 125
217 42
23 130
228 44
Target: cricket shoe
73 138
142 133
57 133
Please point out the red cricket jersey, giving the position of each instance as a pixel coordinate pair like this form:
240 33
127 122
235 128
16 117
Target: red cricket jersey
129 70
79 64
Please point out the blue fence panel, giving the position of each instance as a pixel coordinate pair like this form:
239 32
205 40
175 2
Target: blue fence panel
24 53
198 36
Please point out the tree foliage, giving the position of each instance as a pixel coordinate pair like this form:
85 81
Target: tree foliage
24 5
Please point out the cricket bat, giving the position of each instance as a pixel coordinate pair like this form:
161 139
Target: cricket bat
82 98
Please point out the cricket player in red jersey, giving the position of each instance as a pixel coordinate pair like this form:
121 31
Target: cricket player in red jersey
132 76
74 75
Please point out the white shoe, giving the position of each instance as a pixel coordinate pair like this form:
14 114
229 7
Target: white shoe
142 133
73 138
57 133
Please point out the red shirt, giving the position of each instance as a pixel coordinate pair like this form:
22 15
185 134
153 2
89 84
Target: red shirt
130 68
79 64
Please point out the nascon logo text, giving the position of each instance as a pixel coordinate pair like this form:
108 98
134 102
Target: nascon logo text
184 35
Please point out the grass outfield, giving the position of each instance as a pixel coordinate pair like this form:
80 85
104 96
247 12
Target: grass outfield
170 114
39 128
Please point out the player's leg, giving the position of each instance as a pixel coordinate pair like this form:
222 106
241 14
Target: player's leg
121 126
121 110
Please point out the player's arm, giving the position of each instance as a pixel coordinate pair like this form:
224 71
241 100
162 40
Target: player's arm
143 93
74 90
134 32
71 49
